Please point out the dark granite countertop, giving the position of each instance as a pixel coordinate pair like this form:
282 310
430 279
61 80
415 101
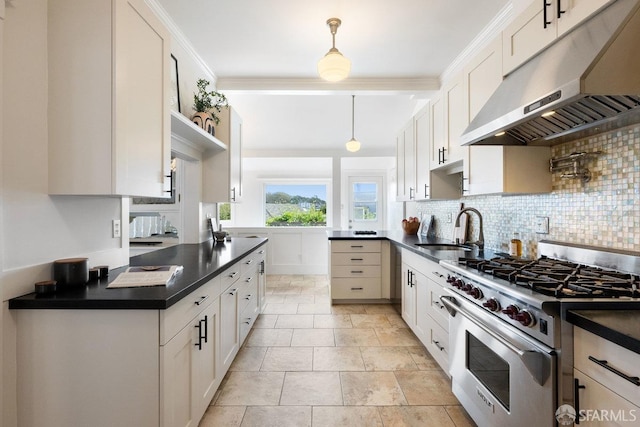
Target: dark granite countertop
409 242
202 262
618 326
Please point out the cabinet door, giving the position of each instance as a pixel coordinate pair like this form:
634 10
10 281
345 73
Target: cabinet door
229 328
528 34
422 132
405 163
235 157
178 379
597 400
422 307
400 165
408 295
207 370
438 135
575 11
456 119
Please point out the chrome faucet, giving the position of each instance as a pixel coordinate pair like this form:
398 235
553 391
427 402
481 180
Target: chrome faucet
480 242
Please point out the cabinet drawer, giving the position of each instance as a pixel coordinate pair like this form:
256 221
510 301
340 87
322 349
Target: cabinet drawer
248 288
230 275
359 288
249 263
173 319
355 246
617 358
248 318
438 345
436 308
355 271
365 258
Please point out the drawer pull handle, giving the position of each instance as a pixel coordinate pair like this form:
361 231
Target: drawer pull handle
437 274
357 289
605 365
234 274
357 271
202 299
357 246
576 396
249 262
249 279
357 259
248 297
261 252
437 304
233 291
437 344
248 322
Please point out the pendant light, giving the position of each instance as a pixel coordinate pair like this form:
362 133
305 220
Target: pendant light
334 66
353 144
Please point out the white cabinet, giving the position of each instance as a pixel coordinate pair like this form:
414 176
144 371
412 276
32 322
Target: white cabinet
605 375
422 133
356 269
406 163
109 120
449 119
509 170
191 371
222 172
229 316
541 24
422 285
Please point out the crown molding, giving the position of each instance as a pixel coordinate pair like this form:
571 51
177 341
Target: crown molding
178 36
284 86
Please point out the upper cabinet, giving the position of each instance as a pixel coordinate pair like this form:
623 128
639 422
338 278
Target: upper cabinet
406 163
109 120
222 172
448 120
540 24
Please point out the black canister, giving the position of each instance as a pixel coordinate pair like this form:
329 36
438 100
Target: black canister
71 272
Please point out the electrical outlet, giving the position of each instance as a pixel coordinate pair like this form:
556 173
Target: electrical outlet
542 225
116 231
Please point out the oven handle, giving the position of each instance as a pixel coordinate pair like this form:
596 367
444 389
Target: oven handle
533 360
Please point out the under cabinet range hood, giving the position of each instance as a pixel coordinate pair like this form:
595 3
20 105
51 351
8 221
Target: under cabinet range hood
589 79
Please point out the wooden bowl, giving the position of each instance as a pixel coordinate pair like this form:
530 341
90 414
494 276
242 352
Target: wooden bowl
410 227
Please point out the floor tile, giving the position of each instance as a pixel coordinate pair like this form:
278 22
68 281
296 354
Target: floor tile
252 388
379 309
299 299
356 337
274 299
314 291
370 321
269 338
371 388
248 359
352 416
335 321
304 283
294 321
396 321
314 309
425 416
277 416
311 388
426 387
280 309
265 321
459 416
288 359
347 309
286 291
397 337
388 359
313 337
337 359
228 416
422 358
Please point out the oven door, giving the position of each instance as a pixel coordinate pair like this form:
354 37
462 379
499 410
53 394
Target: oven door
500 376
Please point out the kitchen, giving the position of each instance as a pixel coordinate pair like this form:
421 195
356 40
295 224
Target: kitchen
603 212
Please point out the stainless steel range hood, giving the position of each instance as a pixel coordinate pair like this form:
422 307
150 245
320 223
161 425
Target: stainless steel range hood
590 78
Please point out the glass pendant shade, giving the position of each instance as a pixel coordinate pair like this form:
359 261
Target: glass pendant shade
353 145
334 67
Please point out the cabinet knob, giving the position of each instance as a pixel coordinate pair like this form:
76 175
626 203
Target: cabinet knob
202 299
233 291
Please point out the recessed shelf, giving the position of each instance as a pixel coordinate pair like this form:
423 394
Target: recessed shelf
186 132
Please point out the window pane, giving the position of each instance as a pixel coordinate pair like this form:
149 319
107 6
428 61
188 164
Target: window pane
295 205
365 204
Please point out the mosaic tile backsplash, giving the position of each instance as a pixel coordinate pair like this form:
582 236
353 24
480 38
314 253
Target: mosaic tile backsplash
602 212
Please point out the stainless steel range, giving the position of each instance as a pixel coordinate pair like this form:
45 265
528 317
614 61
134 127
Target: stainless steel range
511 352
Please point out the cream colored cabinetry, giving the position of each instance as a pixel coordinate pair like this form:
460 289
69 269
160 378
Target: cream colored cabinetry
249 299
449 118
541 24
356 269
109 120
229 316
422 285
605 376
222 172
406 163
422 133
191 372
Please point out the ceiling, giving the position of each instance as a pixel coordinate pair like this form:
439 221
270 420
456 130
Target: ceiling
264 56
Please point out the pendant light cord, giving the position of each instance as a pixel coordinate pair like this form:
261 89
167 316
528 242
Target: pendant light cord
353 114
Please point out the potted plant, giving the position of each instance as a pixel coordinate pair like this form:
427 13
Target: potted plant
207 104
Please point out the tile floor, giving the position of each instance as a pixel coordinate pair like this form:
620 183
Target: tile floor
308 363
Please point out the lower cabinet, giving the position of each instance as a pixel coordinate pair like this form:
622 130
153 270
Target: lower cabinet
422 285
356 269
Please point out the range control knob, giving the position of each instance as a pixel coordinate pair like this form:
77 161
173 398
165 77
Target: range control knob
450 279
511 311
458 284
467 288
476 293
526 318
492 304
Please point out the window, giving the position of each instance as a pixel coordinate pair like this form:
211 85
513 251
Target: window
365 201
300 205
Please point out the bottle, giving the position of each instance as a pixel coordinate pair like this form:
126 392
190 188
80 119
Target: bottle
515 247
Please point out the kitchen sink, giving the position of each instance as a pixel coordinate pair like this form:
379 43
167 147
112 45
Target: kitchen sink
444 247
